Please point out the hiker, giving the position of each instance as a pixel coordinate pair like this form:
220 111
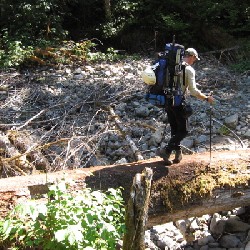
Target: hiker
176 119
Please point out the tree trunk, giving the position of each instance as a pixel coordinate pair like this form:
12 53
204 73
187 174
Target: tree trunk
191 188
107 7
137 211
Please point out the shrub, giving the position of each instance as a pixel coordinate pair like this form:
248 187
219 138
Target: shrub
86 220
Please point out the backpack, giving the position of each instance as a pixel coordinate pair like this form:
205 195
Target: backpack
167 69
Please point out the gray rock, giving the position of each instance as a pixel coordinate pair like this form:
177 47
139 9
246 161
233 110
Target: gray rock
181 225
142 111
205 240
216 217
219 228
156 137
78 77
201 139
239 211
187 142
247 247
204 247
217 248
121 161
166 241
247 134
233 225
229 241
232 121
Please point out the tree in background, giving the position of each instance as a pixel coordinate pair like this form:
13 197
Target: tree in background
31 20
206 24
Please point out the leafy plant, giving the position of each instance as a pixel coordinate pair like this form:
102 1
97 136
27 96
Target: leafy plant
13 52
241 66
86 220
223 130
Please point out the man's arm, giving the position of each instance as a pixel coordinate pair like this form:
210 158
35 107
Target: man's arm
194 91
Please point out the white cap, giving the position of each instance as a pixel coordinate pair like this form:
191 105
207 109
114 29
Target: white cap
192 52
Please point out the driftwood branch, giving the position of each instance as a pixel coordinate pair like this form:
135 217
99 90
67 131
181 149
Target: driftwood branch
20 152
221 50
47 145
31 119
137 154
137 211
17 161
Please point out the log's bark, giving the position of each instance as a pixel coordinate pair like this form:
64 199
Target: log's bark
191 188
137 211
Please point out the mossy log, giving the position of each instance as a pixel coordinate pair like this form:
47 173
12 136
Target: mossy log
191 188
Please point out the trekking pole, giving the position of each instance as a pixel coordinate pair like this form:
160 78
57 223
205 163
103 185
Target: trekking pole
210 130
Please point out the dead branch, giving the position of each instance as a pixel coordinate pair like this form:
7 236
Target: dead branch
47 145
31 119
137 154
26 143
221 50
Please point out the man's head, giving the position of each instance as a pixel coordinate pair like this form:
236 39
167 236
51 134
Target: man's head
191 56
192 52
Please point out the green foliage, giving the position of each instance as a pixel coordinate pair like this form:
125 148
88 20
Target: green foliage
33 23
223 130
13 53
109 55
123 14
86 220
241 63
241 66
30 20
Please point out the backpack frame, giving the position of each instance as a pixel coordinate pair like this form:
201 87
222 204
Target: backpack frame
168 67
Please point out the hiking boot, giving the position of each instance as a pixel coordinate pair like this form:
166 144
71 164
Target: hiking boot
178 156
165 154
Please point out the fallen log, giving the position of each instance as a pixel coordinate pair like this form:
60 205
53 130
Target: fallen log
191 188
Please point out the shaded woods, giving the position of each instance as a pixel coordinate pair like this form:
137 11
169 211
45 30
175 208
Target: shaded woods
205 24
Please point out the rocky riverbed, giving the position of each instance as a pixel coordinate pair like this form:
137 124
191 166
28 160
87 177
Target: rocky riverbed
221 231
70 103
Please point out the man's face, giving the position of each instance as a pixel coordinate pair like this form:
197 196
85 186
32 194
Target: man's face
193 59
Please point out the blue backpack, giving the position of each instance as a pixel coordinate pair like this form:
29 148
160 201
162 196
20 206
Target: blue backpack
167 69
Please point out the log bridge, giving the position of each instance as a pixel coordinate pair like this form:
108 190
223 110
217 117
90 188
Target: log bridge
194 187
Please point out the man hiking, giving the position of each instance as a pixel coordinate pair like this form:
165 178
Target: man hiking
176 118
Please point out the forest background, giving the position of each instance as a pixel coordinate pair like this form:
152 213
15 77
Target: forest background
134 26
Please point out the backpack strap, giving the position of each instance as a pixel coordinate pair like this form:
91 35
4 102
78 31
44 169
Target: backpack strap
183 67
